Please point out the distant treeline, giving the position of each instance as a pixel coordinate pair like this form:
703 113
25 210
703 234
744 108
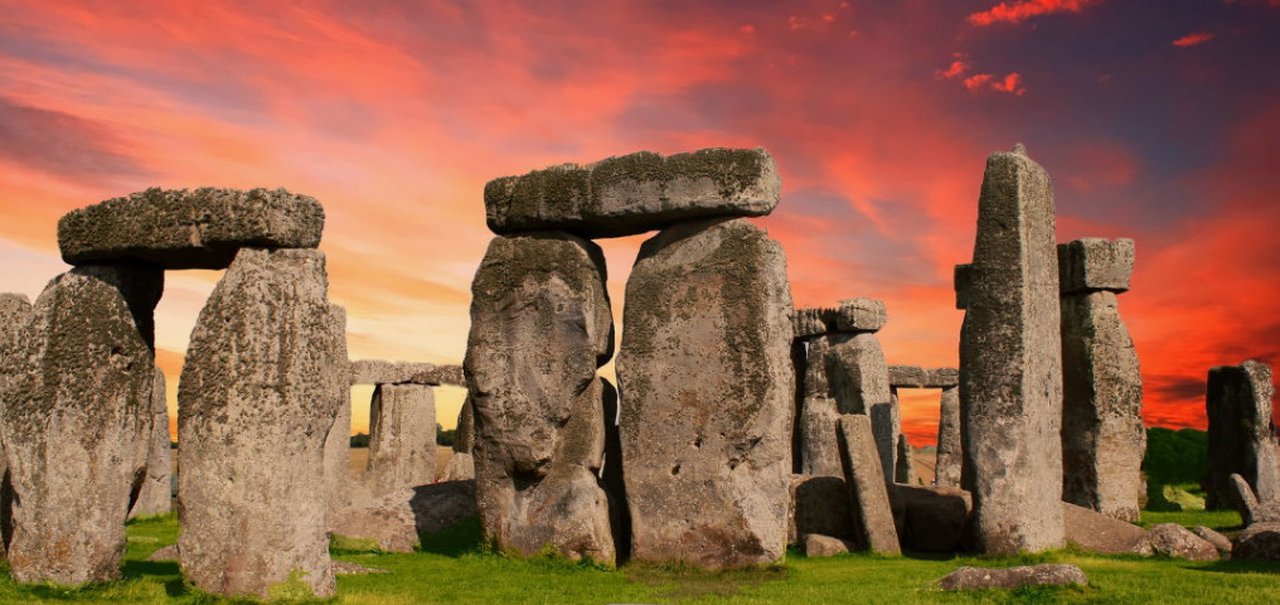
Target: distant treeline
1179 459
443 437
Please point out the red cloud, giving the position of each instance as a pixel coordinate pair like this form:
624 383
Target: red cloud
1193 39
1011 83
1017 12
955 69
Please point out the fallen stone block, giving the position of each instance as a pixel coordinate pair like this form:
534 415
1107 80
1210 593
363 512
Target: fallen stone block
872 514
817 545
1176 541
397 521
1219 541
983 578
1258 542
1092 531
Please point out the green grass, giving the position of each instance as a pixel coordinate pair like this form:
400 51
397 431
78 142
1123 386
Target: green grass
453 568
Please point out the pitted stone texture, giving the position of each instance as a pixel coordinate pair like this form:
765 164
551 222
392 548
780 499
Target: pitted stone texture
859 380
634 193
984 578
397 521
1103 439
874 528
916 377
461 465
464 434
377 371
337 444
814 321
949 457
963 278
818 545
189 229
1240 430
540 326
707 390
1094 532
155 495
1219 541
1173 540
930 519
15 312
861 315
902 471
1246 503
819 414
819 505
77 395
1258 542
255 406
402 437
1011 364
1093 264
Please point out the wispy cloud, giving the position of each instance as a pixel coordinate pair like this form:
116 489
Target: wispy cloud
1193 39
1019 11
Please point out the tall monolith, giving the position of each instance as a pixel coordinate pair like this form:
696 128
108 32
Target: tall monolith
1241 432
402 437
155 494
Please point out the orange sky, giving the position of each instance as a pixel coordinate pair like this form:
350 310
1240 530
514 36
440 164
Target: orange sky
1160 127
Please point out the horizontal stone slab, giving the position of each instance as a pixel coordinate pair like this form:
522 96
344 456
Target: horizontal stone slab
861 315
189 229
377 371
814 321
634 193
1090 264
916 377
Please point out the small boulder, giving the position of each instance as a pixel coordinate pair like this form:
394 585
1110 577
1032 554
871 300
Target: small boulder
1259 542
818 545
168 553
1173 540
1219 541
983 578
1095 532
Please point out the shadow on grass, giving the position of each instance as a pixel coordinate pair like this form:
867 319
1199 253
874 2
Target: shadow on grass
1267 567
463 537
133 570
681 582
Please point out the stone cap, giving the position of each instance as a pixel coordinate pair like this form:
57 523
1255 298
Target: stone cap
964 280
861 315
634 193
813 321
189 229
1092 264
916 377
377 371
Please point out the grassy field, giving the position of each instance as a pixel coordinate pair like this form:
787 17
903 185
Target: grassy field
452 568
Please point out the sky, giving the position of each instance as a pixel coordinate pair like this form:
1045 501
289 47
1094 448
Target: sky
1157 121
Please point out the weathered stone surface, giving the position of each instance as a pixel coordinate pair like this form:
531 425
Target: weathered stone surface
859 380
1173 540
255 405
963 278
1219 541
1259 542
861 315
949 458
15 313
1103 439
1093 264
337 443
916 377
461 465
77 394
189 229
819 412
377 371
984 578
1095 532
819 505
402 437
167 553
634 193
872 514
707 390
398 520
814 321
1246 503
155 494
540 326
1240 432
464 432
1011 363
930 519
902 471
818 545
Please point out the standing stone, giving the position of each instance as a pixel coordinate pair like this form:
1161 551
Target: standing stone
402 437
1011 363
15 313
707 389
461 465
947 468
872 513
1240 432
819 414
540 327
903 473
1103 439
77 393
859 380
155 496
337 443
256 404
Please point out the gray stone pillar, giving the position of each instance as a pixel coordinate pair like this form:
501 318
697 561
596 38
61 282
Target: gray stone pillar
1011 363
1103 439
77 394
155 495
707 388
461 465
402 437
337 443
948 464
540 327
15 313
1241 432
256 404
859 376
903 473
868 488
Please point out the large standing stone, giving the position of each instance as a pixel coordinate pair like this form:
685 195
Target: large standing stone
859 380
155 495
256 403
1011 363
819 413
1240 432
15 313
1103 439
707 389
634 193
947 467
402 437
872 513
540 327
337 443
183 229
77 395
902 471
